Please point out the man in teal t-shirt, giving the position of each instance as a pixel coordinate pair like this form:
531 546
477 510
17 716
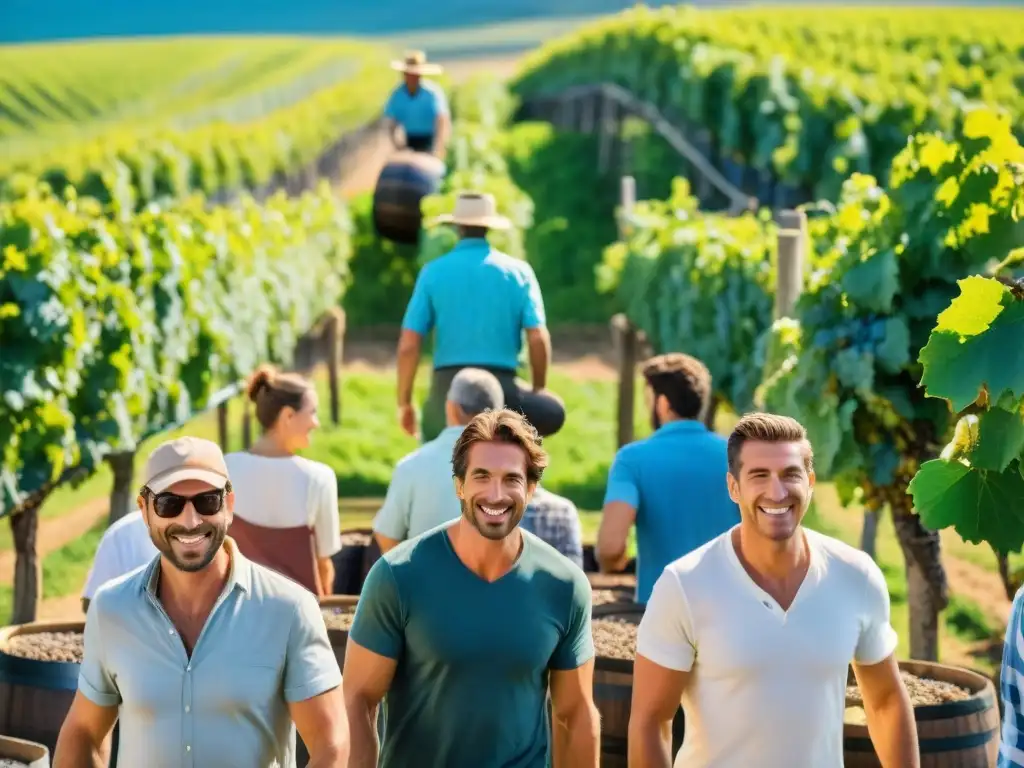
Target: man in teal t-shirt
463 630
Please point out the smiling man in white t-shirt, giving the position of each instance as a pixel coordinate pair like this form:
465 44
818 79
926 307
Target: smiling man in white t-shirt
755 630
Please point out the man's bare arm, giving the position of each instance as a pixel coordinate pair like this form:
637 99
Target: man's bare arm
538 341
441 130
613 536
408 354
367 677
890 714
656 694
322 723
84 740
575 721
386 543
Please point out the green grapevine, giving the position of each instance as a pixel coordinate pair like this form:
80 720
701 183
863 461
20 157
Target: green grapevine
700 284
808 99
135 164
114 326
974 359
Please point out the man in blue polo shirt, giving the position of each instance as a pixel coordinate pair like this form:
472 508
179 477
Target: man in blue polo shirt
672 484
478 301
419 106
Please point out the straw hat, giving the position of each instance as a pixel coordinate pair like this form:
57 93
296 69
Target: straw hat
475 209
415 63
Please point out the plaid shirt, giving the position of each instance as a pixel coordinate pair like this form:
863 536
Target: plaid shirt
554 519
1011 746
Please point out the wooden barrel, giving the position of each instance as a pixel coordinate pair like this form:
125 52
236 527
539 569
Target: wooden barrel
963 733
35 695
613 693
27 753
403 183
339 637
350 562
612 589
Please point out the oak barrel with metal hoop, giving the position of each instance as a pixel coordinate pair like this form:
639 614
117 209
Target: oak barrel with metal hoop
407 178
36 694
21 752
962 733
613 693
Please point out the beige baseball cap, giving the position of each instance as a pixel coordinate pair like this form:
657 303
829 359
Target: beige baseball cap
186 458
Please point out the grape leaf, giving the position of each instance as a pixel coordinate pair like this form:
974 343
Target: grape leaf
855 369
978 304
894 351
957 370
873 283
982 506
1000 439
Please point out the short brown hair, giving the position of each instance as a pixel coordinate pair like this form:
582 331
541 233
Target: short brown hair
272 391
684 381
767 428
501 426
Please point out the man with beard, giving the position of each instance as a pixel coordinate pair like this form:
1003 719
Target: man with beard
206 657
670 484
467 628
759 627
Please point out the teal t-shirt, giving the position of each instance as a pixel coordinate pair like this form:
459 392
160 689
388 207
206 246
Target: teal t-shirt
470 686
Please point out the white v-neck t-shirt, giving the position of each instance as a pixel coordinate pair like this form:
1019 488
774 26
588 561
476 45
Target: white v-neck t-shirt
768 687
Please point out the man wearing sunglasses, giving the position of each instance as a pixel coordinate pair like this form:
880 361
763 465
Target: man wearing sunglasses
206 657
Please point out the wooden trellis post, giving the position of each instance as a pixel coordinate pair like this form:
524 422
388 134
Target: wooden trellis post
122 493
222 426
789 278
625 338
246 423
334 339
607 131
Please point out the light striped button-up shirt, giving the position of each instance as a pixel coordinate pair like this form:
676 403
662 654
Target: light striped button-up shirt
1011 744
264 645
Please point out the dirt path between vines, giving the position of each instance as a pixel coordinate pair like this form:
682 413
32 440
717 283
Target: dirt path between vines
57 532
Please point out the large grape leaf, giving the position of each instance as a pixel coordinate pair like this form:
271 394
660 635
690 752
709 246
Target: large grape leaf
1000 439
982 506
873 283
970 313
957 365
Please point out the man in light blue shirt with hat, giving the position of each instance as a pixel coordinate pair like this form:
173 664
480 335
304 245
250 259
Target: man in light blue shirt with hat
419 106
478 302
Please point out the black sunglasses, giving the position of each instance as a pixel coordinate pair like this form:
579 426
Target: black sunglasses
208 503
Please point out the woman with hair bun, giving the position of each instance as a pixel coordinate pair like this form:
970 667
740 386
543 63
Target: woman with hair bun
286 506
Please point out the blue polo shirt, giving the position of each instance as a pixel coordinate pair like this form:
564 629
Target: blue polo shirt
417 113
675 480
478 301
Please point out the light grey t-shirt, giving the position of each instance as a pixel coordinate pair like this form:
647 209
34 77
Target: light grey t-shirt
265 644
